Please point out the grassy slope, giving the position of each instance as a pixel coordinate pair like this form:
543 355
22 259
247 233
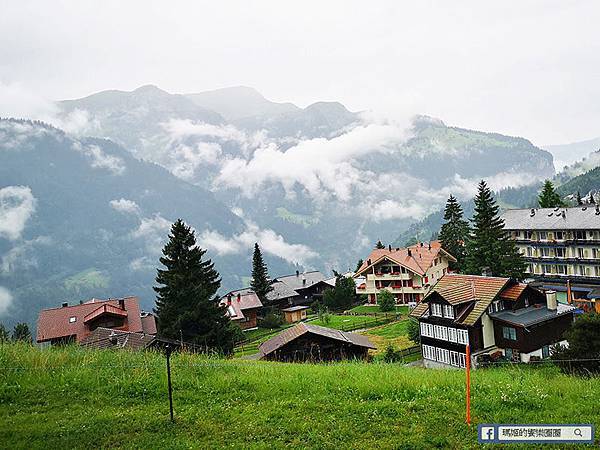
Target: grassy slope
71 398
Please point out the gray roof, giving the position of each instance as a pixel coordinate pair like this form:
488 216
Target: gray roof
578 218
532 314
295 281
295 332
281 290
295 308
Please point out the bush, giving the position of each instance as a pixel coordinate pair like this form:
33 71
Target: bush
391 355
414 331
324 316
584 345
386 301
271 320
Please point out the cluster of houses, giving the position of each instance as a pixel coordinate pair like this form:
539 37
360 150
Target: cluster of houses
495 316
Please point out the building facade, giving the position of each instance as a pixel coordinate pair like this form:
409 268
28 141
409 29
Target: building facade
496 317
242 307
560 245
407 273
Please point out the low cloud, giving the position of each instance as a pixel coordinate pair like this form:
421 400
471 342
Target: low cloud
125 206
23 255
17 205
269 241
154 232
186 159
6 300
101 160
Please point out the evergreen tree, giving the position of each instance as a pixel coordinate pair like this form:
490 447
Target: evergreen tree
592 201
260 276
21 333
454 232
186 303
549 198
488 246
4 336
379 245
342 295
578 199
359 264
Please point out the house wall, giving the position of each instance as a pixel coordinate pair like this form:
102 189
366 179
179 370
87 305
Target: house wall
487 326
311 347
250 315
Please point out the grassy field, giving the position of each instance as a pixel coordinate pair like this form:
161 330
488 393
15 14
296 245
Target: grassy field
394 334
365 309
71 398
339 321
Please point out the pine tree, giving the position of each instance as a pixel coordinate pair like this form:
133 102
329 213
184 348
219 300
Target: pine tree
454 232
342 295
549 198
4 336
488 246
186 303
21 333
578 199
260 276
592 201
359 264
379 245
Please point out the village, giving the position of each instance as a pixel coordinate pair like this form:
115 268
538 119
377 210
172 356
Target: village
420 305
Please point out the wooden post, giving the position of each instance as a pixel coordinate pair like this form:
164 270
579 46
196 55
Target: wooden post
468 381
168 352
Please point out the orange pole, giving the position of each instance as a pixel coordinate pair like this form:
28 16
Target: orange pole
468 380
569 295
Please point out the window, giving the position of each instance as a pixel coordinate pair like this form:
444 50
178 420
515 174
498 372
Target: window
580 234
429 352
452 337
559 235
545 252
436 309
527 234
543 236
580 253
509 333
462 360
463 336
560 252
545 351
72 319
449 311
561 269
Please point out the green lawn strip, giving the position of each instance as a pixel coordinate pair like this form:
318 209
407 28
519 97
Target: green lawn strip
68 398
366 309
339 322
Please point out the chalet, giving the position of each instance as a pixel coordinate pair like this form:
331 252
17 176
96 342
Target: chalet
294 313
405 272
242 307
74 323
494 316
298 289
305 342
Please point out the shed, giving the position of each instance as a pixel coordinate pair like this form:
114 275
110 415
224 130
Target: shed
295 313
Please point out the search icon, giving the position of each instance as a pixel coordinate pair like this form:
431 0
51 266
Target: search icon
577 432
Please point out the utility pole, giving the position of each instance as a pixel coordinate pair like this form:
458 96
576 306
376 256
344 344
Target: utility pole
168 353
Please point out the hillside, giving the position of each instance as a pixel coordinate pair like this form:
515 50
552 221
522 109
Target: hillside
65 398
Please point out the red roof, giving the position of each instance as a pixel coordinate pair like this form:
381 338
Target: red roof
66 321
420 259
513 292
241 300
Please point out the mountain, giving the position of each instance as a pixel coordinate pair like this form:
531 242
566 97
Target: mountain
567 154
81 217
327 181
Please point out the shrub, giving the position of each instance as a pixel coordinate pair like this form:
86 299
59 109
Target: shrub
584 345
391 355
413 331
324 316
386 301
271 320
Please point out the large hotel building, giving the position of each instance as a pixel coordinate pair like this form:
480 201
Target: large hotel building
562 249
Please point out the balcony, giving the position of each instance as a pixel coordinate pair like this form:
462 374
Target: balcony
389 276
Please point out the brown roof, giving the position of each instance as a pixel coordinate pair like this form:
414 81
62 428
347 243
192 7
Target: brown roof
148 323
420 260
513 292
419 310
241 300
55 323
295 332
109 338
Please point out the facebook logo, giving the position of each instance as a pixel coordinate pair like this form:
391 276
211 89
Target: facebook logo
487 433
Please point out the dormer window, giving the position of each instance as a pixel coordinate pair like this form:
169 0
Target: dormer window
72 319
448 311
436 309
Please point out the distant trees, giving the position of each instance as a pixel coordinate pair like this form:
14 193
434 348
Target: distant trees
488 246
583 354
342 295
548 197
379 245
21 333
386 301
260 283
359 263
4 336
578 199
454 232
186 302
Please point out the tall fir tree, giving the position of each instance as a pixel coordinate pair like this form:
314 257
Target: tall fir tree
260 276
489 247
186 302
379 245
578 199
4 336
548 197
21 333
454 232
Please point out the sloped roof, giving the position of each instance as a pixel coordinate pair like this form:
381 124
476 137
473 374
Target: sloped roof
532 314
55 323
241 300
295 332
576 218
419 310
108 338
295 281
513 292
281 290
420 260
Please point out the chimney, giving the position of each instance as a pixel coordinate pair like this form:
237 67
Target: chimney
65 304
239 297
551 300
409 252
389 248
297 273
368 262
303 281
429 246
122 303
81 302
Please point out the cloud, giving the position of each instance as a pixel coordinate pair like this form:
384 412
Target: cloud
6 300
101 160
154 232
269 241
17 205
125 206
187 158
23 255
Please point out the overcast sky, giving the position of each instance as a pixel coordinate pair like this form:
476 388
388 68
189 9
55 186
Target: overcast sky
528 68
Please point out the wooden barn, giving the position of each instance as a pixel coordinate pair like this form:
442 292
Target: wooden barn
305 342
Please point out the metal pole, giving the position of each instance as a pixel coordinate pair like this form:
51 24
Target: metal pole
468 380
168 351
